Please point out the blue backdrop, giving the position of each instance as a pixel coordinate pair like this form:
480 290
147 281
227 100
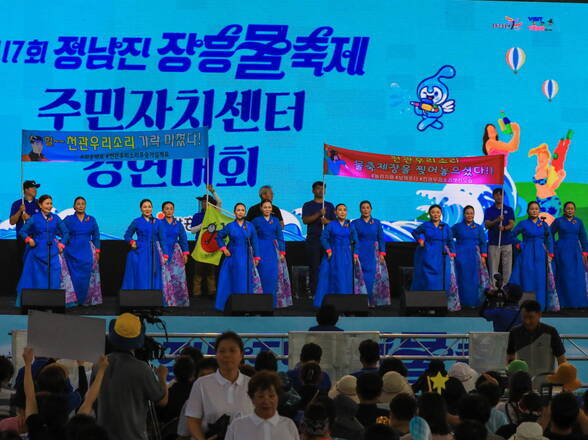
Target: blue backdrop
273 82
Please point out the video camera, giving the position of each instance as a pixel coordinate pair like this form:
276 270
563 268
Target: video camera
151 349
496 297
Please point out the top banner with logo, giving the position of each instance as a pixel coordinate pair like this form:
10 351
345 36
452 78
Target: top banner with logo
76 146
488 170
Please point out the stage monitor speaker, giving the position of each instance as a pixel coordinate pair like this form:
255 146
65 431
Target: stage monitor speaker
423 302
250 304
139 300
349 305
526 296
43 299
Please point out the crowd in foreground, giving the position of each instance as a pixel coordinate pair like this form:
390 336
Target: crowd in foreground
222 397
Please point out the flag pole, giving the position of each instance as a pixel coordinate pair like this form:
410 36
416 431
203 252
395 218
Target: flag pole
324 187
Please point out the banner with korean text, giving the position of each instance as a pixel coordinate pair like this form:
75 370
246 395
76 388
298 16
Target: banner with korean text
76 146
483 170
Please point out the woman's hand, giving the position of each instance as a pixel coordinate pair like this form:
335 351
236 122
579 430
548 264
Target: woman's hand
28 356
185 257
165 259
32 243
226 252
97 256
382 258
133 245
483 260
422 243
282 257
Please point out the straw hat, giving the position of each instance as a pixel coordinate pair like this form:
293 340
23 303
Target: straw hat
345 386
566 375
393 384
465 374
529 431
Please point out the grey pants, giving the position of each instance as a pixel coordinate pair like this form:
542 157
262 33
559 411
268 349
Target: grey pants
495 259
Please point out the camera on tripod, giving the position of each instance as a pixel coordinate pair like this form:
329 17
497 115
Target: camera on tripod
496 297
151 349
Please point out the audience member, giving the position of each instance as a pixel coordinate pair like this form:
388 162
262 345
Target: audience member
185 373
346 386
380 431
393 384
310 378
491 392
518 385
6 392
423 384
475 406
453 392
193 352
264 423
431 407
217 398
470 430
310 352
503 318
527 341
369 356
129 384
528 409
403 408
326 318
315 424
567 376
289 398
205 366
465 374
369 389
495 378
45 415
393 364
346 426
565 414
247 370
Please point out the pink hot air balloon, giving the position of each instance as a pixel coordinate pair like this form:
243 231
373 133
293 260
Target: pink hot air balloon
550 88
515 58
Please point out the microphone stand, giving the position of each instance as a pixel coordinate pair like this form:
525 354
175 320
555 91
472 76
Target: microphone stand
49 243
152 221
443 254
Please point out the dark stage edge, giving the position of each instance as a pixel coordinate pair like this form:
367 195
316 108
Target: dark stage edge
204 306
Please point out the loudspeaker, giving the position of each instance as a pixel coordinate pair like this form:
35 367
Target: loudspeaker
428 302
350 305
250 304
130 300
43 299
526 296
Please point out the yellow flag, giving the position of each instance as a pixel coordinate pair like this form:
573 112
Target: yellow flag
207 250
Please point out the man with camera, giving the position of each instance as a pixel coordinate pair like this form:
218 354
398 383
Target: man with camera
501 305
534 342
129 384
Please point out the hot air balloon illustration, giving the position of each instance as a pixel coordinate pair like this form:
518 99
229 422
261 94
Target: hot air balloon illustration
515 58
550 89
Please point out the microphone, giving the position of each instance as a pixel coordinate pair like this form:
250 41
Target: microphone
543 218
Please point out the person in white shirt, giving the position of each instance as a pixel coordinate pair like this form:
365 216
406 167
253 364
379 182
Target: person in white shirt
223 393
265 423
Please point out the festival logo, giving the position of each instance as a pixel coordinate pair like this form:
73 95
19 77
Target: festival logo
540 24
513 24
433 99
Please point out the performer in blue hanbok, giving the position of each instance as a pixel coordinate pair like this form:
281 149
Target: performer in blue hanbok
571 252
470 262
44 267
273 270
371 249
83 253
337 272
238 273
532 268
175 256
143 268
435 243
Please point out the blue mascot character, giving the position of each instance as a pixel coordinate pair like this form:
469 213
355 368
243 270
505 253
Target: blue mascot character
433 103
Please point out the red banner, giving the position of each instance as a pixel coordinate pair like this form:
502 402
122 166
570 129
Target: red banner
477 170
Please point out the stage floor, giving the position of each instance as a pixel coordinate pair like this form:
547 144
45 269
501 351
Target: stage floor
204 306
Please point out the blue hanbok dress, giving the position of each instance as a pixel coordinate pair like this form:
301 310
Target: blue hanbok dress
238 274
569 267
174 247
143 268
428 261
529 269
80 255
369 247
336 274
272 270
472 274
44 230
